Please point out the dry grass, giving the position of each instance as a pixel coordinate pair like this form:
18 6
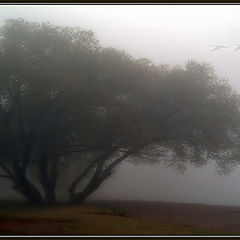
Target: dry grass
84 221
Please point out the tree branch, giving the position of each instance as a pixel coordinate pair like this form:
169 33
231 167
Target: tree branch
95 182
84 173
119 160
102 159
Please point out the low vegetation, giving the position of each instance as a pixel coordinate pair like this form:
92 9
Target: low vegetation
83 220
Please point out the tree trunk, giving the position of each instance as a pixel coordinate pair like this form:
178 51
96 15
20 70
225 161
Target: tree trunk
53 181
48 183
90 188
73 196
28 190
97 179
50 195
79 197
23 185
72 189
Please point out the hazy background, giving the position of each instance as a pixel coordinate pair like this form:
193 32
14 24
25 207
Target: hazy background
166 34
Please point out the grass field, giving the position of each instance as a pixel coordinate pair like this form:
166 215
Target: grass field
83 220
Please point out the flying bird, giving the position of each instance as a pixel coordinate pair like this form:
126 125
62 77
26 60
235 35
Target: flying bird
217 47
237 48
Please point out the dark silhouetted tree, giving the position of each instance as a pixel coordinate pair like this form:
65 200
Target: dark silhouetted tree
42 70
154 113
66 101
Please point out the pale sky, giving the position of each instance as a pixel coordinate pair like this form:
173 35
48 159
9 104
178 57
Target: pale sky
166 34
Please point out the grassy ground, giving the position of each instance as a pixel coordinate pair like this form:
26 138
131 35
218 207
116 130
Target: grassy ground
83 220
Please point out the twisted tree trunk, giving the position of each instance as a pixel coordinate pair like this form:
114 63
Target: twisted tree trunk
97 179
26 188
48 179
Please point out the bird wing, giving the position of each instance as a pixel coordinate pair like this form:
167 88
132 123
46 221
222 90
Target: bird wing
216 48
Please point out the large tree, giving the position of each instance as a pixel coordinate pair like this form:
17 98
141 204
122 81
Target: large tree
65 100
43 72
177 115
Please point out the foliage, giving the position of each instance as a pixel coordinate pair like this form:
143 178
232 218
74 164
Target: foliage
66 101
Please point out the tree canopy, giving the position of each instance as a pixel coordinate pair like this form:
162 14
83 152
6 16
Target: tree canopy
65 100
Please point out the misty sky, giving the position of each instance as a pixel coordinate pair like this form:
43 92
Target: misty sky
166 34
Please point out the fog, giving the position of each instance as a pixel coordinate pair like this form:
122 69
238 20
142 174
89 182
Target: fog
166 34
